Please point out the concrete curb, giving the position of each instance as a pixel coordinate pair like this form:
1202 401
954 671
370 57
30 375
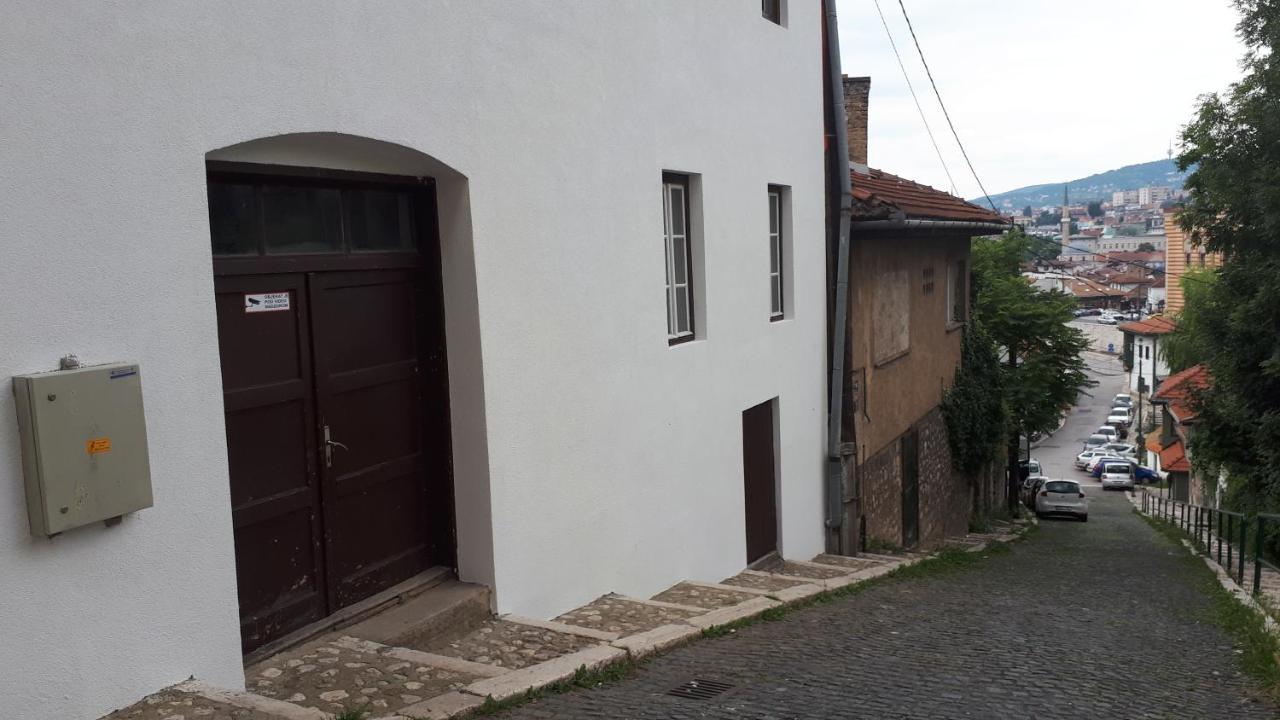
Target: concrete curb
1229 584
602 635
642 645
250 701
733 613
440 707
518 682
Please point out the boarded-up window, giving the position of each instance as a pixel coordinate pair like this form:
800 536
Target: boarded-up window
891 321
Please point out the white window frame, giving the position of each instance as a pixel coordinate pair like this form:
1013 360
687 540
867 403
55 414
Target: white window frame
777 256
679 254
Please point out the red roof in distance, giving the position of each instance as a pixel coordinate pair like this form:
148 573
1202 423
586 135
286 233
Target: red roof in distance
1177 392
1154 325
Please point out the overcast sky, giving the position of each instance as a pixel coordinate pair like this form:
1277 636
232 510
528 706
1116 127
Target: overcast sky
1039 90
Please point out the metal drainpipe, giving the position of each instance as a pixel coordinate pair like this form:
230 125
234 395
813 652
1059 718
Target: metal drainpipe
839 338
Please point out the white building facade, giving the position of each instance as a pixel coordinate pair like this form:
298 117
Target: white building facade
463 202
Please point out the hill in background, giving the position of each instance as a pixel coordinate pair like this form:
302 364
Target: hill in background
1094 187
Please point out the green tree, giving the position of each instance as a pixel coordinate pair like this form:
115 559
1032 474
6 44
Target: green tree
1094 208
1231 323
1048 218
1146 247
1026 211
1043 369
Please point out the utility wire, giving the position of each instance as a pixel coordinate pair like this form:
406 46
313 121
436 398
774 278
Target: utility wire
945 114
919 109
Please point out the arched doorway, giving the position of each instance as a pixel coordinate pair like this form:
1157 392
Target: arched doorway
331 330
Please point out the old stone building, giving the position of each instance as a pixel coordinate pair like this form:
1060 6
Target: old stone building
909 284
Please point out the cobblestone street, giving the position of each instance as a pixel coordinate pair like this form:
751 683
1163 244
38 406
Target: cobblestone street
1104 619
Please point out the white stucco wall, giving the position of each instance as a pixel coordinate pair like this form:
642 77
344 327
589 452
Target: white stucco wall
610 461
1151 368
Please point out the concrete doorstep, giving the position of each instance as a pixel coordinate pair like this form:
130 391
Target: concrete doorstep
491 681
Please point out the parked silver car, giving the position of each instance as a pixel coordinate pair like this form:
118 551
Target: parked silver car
1062 497
1117 474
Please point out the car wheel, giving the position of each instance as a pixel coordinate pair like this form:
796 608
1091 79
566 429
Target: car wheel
1084 518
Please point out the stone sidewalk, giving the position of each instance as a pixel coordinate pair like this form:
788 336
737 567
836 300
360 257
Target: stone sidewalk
507 656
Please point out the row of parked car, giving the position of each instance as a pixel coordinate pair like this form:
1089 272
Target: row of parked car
1108 316
1045 496
1109 459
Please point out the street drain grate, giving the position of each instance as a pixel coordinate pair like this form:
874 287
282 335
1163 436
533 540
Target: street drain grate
700 689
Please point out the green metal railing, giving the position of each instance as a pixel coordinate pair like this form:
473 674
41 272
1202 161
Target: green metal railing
1231 539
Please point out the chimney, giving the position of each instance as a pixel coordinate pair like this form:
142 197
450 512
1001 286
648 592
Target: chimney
857 90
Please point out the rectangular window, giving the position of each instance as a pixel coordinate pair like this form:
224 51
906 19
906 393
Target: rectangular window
957 293
675 209
776 302
771 10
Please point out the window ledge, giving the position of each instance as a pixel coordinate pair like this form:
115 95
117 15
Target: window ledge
892 358
781 318
684 341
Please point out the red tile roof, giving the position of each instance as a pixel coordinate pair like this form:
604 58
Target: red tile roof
1154 325
1178 391
1174 458
877 195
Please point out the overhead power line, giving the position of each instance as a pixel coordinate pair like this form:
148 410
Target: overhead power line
945 114
919 109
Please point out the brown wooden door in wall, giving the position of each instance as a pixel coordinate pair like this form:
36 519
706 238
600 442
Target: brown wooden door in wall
910 449
335 392
759 481
269 404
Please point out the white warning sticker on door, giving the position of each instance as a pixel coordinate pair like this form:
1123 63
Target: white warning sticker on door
266 302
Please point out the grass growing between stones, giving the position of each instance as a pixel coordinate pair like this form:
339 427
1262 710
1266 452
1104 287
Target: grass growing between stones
582 678
1258 648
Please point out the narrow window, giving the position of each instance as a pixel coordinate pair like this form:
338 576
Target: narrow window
776 304
956 293
771 10
675 208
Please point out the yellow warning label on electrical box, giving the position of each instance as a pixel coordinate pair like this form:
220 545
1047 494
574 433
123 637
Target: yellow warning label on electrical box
97 446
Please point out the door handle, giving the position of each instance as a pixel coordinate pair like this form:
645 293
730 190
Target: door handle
329 445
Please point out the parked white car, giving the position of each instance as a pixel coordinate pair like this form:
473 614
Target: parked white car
1086 458
1062 497
1109 320
1123 399
1110 431
1119 416
1106 456
1117 474
1121 449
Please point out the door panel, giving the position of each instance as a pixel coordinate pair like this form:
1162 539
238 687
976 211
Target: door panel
368 389
759 481
275 491
910 450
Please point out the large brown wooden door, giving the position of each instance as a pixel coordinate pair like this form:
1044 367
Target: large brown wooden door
758 476
334 389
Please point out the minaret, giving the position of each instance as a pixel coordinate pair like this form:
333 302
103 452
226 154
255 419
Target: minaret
1066 218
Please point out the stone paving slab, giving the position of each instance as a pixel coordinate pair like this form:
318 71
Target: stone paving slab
764 581
811 571
547 673
511 645
175 705
332 675
970 644
851 563
703 596
615 613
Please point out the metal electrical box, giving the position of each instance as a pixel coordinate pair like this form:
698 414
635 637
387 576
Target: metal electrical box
84 445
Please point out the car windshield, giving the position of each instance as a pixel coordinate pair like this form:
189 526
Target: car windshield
1033 467
1098 439
1117 469
1061 486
